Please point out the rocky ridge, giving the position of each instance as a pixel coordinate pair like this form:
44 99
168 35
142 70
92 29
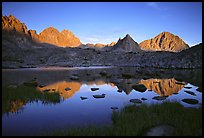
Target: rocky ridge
49 35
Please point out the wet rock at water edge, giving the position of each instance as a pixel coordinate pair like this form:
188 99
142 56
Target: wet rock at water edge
135 101
190 101
162 130
83 98
99 96
199 89
175 93
139 87
42 86
94 89
67 89
189 92
143 99
159 98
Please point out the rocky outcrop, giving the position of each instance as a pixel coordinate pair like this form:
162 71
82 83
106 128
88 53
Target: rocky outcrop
11 23
127 44
33 35
165 41
53 36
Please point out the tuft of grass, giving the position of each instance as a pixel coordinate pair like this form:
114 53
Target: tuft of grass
137 120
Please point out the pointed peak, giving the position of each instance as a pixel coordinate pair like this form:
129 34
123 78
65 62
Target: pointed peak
127 35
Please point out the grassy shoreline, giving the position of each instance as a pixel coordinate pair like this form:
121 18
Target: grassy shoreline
138 120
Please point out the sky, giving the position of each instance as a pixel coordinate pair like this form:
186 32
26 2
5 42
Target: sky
106 22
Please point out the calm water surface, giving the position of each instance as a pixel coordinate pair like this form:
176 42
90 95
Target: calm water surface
35 117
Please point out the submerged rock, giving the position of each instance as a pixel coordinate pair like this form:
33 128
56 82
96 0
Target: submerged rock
114 108
190 101
94 89
99 96
189 92
143 99
187 87
159 98
67 89
119 90
135 101
139 87
83 98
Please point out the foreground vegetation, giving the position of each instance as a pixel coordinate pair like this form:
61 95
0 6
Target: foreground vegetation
13 99
138 120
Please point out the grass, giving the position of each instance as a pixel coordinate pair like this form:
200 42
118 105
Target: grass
17 97
137 120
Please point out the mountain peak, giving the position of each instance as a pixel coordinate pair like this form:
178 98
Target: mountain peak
127 44
164 41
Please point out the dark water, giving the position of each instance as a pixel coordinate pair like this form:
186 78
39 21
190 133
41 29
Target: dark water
35 117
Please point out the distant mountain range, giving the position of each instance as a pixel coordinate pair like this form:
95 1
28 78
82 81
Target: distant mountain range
165 41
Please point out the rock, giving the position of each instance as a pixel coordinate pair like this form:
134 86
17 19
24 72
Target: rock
119 90
190 101
42 86
199 89
143 99
67 89
114 108
165 41
159 98
175 93
94 89
74 78
187 87
162 130
83 98
139 87
103 73
99 96
135 101
189 92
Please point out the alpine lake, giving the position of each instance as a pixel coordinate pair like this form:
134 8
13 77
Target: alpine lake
35 100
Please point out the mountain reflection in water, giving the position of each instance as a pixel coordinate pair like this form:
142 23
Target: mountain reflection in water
163 87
